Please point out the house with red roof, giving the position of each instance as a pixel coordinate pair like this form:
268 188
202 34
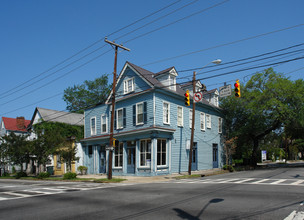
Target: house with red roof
17 125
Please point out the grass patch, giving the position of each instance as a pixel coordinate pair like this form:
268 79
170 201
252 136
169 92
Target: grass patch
105 180
188 176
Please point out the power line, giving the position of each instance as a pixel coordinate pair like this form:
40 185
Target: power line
225 44
86 48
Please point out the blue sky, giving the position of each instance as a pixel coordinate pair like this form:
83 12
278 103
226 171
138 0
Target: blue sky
37 35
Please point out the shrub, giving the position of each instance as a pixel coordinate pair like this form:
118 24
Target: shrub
69 175
6 174
82 169
43 175
13 170
20 174
228 167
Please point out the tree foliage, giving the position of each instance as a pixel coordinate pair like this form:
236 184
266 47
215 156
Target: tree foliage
80 97
269 102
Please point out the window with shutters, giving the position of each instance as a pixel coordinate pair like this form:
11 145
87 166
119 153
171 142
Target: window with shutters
139 113
202 121
220 128
208 121
180 118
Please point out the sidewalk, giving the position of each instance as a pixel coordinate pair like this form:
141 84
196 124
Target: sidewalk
151 179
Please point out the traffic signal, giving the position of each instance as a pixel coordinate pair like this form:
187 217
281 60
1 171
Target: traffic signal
237 89
114 143
187 98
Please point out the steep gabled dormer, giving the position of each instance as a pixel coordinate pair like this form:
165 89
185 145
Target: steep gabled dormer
212 97
189 86
167 77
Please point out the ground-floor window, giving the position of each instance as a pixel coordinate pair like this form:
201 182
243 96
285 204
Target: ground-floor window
58 162
161 152
145 152
118 155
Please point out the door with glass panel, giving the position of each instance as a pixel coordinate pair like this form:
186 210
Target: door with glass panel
131 157
194 157
215 155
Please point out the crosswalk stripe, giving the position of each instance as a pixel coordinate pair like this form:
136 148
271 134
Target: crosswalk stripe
278 181
260 181
297 182
244 180
16 194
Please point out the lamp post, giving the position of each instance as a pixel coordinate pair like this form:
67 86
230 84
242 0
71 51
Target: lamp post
218 61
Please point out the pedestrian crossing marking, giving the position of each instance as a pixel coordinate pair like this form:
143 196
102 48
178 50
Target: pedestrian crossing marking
252 181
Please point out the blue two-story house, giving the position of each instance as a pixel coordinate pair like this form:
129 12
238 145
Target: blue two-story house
152 127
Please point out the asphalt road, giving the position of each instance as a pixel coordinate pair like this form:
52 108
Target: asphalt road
261 194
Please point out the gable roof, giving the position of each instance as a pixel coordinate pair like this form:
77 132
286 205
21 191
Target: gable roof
58 116
12 125
164 71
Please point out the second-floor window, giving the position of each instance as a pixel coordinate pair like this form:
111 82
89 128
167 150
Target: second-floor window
93 126
128 85
139 113
104 124
119 118
202 115
180 118
166 113
208 121
220 121
190 118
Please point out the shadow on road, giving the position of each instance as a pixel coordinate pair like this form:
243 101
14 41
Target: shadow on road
185 215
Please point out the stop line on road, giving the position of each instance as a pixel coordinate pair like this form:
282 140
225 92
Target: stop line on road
256 181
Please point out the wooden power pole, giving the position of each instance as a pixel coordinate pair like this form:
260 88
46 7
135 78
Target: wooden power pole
192 126
111 147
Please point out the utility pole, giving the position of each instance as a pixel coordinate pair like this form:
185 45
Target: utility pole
192 126
111 147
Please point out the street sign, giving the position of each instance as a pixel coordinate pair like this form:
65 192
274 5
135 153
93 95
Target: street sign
110 148
197 97
264 155
225 91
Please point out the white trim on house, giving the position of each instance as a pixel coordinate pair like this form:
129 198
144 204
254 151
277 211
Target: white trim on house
93 132
102 123
117 118
137 122
166 115
181 122
126 85
203 121
208 121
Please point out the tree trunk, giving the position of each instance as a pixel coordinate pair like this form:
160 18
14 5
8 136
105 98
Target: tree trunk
254 158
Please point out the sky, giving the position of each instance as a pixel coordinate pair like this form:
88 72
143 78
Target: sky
48 46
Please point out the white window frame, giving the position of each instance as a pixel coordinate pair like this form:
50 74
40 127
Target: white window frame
190 118
102 122
208 121
172 82
93 132
168 113
137 113
145 153
203 121
126 85
220 124
181 122
119 155
162 165
117 118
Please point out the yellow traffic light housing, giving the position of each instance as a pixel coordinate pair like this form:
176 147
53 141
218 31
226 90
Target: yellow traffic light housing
187 98
237 89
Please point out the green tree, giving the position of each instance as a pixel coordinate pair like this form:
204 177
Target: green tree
68 152
79 97
265 107
16 148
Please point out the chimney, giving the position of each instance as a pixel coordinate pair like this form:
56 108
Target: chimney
20 123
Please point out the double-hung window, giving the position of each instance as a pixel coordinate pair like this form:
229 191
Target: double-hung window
145 153
202 115
220 124
166 113
93 126
208 121
180 116
172 82
104 124
139 113
161 152
128 85
119 118
118 155
190 118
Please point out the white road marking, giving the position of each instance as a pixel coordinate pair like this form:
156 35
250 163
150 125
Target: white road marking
245 180
260 181
297 182
278 181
